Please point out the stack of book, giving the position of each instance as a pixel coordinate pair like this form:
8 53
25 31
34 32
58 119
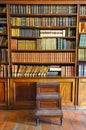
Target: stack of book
53 72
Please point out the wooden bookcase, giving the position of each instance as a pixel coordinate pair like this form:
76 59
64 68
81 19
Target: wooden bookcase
43 43
3 57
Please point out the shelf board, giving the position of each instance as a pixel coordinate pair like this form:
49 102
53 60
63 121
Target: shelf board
82 47
5 77
82 16
81 77
58 77
63 50
82 32
3 34
44 27
3 46
82 60
2 14
37 63
4 63
44 15
35 37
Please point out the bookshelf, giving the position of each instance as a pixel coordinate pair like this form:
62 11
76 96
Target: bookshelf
3 55
3 42
42 38
43 46
82 55
42 42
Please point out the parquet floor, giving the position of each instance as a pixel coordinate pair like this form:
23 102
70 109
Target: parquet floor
25 120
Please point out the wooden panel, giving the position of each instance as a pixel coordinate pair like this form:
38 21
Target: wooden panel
82 93
48 104
3 93
23 94
67 91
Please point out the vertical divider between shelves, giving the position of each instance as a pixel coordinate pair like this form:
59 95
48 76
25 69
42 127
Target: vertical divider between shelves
76 62
9 41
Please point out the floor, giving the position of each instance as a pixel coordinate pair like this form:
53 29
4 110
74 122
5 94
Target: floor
25 120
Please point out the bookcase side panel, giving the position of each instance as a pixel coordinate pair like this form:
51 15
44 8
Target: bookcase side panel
3 94
82 93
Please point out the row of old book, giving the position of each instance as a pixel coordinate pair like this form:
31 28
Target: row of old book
3 41
3 29
3 9
42 9
3 55
3 70
42 33
82 69
43 57
82 54
82 40
83 9
82 28
42 71
43 44
38 32
43 21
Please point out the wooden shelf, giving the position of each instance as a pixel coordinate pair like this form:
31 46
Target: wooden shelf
82 60
83 17
82 47
82 33
4 63
43 15
3 14
44 27
60 50
3 46
3 34
51 77
38 37
48 63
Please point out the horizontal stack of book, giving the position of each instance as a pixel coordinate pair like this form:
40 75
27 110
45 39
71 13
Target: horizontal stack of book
23 44
43 44
43 21
65 43
42 71
52 33
38 32
42 9
43 57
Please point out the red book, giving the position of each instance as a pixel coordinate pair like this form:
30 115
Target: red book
14 44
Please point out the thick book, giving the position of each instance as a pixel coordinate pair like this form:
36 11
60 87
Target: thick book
52 74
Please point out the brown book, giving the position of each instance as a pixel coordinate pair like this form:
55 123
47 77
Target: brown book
14 44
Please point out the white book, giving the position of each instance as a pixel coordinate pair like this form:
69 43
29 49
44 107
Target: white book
55 69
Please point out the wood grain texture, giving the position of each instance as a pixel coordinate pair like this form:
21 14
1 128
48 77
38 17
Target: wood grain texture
25 120
82 93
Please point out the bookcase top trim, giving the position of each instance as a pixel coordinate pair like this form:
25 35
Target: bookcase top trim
43 2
